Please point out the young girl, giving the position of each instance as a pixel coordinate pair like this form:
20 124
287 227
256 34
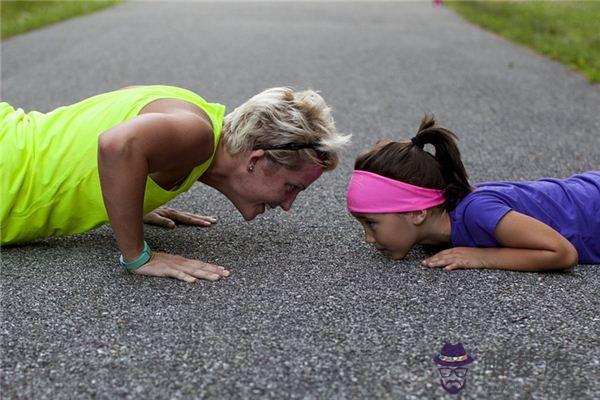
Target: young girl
404 195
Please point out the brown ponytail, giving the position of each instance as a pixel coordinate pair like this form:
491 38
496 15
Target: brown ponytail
409 162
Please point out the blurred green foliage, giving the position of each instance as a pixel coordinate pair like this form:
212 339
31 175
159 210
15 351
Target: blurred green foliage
567 31
22 16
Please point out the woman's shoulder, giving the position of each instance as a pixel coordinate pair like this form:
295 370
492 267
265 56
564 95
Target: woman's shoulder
164 90
166 99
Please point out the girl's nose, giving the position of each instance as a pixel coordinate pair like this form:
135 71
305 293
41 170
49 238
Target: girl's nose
368 237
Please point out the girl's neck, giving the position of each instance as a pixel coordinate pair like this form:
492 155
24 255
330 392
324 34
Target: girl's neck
437 229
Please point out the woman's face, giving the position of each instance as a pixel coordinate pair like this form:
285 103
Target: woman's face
392 234
268 184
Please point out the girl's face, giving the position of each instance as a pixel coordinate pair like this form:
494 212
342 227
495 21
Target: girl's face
392 234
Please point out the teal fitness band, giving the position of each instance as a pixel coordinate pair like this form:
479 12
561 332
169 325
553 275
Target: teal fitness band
143 258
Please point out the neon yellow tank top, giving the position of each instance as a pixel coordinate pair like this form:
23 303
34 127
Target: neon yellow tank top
49 183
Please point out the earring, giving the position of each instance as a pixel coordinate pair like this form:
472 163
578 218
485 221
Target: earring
251 167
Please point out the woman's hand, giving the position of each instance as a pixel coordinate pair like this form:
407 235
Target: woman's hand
457 258
171 266
168 218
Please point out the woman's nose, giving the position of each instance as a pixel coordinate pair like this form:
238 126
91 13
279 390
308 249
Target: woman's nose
287 204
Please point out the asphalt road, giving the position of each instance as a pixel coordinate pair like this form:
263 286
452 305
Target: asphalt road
310 311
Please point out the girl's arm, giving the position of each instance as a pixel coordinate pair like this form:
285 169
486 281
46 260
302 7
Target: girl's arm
530 245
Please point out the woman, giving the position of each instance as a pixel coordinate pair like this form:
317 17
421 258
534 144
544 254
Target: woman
118 156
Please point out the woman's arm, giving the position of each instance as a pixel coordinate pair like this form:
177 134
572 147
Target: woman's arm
530 245
130 151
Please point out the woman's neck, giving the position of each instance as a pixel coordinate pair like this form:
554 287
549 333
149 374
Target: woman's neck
219 175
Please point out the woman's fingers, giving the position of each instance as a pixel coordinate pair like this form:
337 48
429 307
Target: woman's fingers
171 266
164 222
204 270
203 217
188 218
202 274
155 218
215 269
197 220
169 217
182 276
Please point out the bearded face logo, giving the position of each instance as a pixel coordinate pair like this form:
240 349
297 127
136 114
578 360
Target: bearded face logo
452 361
453 379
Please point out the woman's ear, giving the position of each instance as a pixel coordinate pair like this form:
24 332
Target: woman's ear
418 217
253 158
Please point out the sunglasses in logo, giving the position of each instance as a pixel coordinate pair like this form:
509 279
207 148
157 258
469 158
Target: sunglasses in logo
446 372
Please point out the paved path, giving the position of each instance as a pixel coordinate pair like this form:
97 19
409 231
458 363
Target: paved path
310 311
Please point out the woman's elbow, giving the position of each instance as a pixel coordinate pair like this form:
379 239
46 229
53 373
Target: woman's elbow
110 144
115 147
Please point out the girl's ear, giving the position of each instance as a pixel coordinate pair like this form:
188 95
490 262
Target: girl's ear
418 217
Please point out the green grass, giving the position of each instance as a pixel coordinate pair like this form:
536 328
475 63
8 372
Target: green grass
566 31
22 16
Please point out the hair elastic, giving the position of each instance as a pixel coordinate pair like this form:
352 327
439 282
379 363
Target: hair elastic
417 142
375 194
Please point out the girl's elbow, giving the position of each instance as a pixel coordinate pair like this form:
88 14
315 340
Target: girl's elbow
573 257
567 257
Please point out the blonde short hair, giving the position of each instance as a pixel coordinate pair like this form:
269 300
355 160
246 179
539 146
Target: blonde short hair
280 116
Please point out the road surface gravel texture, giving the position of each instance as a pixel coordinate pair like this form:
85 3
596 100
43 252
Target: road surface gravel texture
310 311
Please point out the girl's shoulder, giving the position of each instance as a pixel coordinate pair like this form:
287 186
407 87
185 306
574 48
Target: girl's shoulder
483 204
475 218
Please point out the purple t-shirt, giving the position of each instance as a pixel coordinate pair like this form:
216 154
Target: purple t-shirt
570 206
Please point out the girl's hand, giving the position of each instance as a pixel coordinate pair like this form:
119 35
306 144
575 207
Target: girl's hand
168 218
457 258
171 266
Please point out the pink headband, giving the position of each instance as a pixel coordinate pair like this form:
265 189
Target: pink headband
370 193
